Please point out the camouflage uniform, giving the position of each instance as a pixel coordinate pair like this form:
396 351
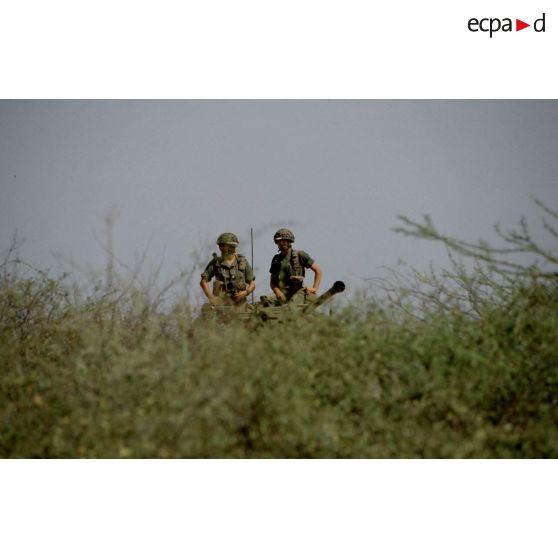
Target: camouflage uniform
229 278
287 273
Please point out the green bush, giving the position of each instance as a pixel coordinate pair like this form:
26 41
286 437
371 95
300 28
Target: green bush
463 365
94 381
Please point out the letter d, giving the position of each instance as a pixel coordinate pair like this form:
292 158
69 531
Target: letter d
535 25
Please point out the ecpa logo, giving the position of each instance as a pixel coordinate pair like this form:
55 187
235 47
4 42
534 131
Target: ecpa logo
492 25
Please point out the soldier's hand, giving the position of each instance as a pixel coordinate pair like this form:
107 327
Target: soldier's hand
215 301
240 295
310 290
281 297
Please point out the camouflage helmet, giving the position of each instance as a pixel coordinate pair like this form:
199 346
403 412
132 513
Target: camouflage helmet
227 238
283 234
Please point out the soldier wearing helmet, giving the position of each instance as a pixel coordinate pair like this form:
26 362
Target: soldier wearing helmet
233 278
288 269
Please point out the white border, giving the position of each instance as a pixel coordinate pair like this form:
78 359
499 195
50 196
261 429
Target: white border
278 508
290 49
255 49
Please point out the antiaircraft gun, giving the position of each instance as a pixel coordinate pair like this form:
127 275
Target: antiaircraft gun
301 304
297 306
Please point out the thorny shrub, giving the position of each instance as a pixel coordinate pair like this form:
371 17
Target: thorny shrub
470 372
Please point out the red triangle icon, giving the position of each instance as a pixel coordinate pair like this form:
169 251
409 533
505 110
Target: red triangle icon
519 25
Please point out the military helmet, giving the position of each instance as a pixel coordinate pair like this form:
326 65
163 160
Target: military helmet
227 238
283 234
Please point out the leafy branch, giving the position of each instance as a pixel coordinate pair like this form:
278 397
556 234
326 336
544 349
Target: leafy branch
517 241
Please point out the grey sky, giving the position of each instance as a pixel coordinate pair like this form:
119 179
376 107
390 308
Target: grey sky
181 172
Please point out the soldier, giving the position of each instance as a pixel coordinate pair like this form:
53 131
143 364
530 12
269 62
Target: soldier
233 276
287 272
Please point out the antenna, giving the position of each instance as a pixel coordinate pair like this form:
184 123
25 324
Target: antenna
252 247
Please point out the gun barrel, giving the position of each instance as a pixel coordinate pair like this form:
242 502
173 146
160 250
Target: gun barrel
337 287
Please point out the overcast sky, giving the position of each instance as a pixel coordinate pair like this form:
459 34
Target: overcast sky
178 173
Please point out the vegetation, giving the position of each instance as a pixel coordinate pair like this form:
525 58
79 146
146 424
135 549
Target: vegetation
458 364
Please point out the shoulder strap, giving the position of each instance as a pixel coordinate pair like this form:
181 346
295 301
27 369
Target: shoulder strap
295 263
241 262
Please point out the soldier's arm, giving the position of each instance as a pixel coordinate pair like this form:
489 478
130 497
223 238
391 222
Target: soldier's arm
206 277
250 285
274 281
276 290
207 291
317 278
237 297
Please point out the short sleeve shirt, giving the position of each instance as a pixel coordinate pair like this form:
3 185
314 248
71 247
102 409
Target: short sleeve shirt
221 270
